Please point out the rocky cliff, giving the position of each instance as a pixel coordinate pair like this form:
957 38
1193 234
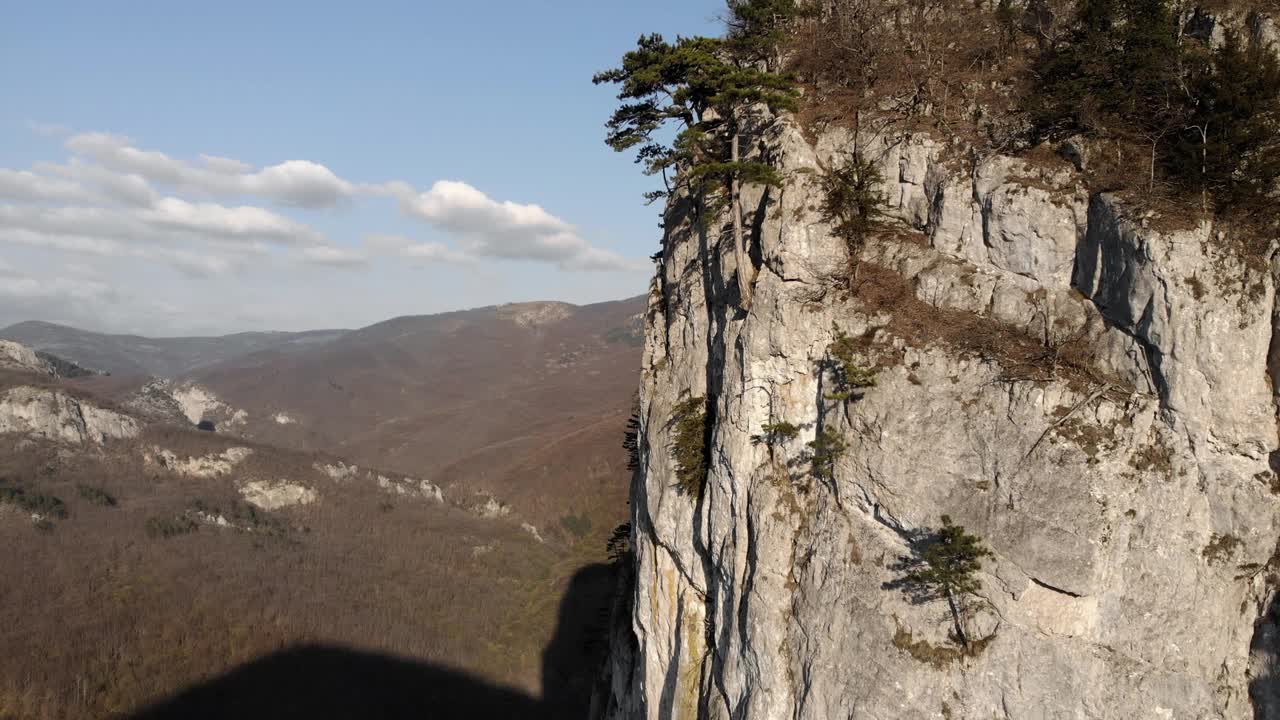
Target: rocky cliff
21 358
1087 389
42 411
55 415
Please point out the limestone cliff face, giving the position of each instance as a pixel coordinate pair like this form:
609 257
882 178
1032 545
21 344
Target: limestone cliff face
14 356
56 415
1086 390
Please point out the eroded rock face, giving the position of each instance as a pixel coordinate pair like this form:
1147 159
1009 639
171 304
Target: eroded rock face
155 400
199 403
276 494
1087 394
340 472
401 486
205 466
55 415
15 356
490 507
410 487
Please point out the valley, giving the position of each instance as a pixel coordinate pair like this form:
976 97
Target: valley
424 494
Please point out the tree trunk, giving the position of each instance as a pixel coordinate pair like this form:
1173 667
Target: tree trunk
1151 181
1204 168
739 242
961 635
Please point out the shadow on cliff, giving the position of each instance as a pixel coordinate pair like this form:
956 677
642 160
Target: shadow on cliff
325 681
1264 664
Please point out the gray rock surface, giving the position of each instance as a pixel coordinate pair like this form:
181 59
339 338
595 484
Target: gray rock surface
410 487
1088 394
14 356
206 466
276 494
56 415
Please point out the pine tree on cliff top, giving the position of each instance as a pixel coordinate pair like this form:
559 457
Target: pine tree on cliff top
700 87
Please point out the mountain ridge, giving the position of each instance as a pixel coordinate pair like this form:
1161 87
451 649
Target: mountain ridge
137 354
173 356
101 480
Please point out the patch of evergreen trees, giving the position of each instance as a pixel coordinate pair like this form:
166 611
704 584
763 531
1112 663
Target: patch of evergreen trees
1208 117
690 431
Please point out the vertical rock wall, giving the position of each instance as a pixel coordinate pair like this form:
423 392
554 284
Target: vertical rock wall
1086 390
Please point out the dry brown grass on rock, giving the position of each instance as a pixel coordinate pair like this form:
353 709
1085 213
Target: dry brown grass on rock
938 656
882 291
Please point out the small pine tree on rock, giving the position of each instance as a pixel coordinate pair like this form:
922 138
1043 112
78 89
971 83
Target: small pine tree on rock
825 450
852 201
848 378
774 434
946 569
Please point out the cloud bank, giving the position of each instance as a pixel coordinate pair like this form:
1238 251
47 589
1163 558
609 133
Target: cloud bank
113 235
488 228
114 198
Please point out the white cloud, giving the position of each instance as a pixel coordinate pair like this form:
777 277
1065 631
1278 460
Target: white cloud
65 221
115 152
191 263
458 206
428 252
333 256
594 259
23 287
437 252
211 219
118 206
225 165
198 265
29 187
170 220
65 242
299 183
507 230
385 244
125 188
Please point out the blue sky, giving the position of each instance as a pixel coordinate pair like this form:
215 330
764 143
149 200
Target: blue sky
111 218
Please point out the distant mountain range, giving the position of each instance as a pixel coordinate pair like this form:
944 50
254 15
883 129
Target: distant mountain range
503 399
443 484
167 357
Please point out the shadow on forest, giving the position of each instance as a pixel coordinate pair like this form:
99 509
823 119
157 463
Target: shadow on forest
319 681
